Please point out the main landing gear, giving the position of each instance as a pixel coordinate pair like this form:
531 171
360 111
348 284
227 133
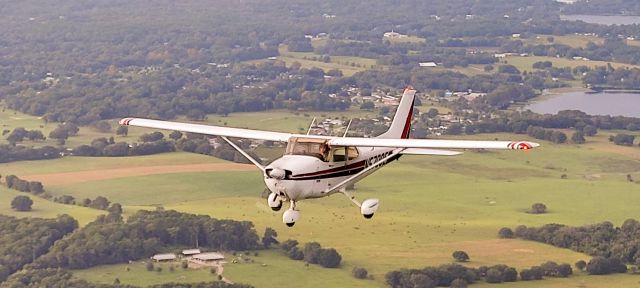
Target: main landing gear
290 216
367 207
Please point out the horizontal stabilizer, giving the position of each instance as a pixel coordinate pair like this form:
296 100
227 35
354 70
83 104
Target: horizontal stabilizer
424 151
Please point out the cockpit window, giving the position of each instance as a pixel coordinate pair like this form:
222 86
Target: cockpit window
308 146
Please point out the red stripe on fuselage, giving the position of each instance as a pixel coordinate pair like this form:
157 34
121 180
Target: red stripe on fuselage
355 165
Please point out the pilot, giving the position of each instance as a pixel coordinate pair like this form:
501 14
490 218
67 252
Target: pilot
324 150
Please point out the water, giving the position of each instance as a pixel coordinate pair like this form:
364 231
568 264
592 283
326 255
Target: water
602 103
604 20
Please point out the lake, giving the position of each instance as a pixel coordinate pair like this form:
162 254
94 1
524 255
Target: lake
601 103
604 20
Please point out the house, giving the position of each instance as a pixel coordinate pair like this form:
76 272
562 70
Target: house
393 34
190 252
164 257
208 256
427 64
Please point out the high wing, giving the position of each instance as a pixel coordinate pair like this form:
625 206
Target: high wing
412 145
432 143
208 129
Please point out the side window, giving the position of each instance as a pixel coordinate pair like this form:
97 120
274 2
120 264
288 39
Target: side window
338 154
352 153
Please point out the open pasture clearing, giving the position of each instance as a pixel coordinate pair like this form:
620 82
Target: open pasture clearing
138 275
431 206
526 63
349 65
572 40
44 208
284 121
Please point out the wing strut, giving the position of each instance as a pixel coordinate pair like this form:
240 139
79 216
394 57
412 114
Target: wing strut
245 154
359 176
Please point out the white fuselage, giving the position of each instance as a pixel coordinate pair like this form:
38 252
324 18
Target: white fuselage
311 177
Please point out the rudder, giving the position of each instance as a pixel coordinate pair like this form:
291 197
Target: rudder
401 124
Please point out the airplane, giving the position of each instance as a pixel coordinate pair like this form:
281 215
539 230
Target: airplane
316 166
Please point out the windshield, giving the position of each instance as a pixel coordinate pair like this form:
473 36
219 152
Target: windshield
308 146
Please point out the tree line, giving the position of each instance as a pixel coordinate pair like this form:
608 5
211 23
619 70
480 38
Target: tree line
456 275
24 239
110 240
51 277
618 245
312 253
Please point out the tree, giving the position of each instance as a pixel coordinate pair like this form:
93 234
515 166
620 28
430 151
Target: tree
578 137
115 208
493 276
175 135
590 130
21 203
580 265
510 275
505 233
460 256
100 203
459 283
122 130
269 237
36 187
367 105
359 272
151 137
329 258
538 208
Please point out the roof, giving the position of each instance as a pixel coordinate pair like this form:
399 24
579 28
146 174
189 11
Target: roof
167 256
208 256
190 251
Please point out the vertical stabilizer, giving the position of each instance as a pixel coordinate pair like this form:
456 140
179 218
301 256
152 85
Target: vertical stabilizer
401 125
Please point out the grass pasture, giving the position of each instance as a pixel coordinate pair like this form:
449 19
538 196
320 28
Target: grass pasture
138 275
349 65
526 63
573 40
430 206
45 209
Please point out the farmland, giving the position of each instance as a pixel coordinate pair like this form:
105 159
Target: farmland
433 206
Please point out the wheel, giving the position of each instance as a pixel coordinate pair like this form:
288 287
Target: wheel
274 202
277 208
290 217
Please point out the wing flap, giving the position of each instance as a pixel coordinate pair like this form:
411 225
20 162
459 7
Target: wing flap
425 151
207 129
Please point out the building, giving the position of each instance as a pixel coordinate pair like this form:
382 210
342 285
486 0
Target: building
208 256
164 257
427 64
190 252
393 34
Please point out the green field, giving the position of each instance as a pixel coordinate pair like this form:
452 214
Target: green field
526 63
430 206
45 209
282 120
575 41
139 276
10 119
347 64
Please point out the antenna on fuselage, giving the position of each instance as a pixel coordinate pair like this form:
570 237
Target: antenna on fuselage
347 130
311 125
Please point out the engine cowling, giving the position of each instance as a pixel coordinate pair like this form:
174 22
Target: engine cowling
290 217
369 207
